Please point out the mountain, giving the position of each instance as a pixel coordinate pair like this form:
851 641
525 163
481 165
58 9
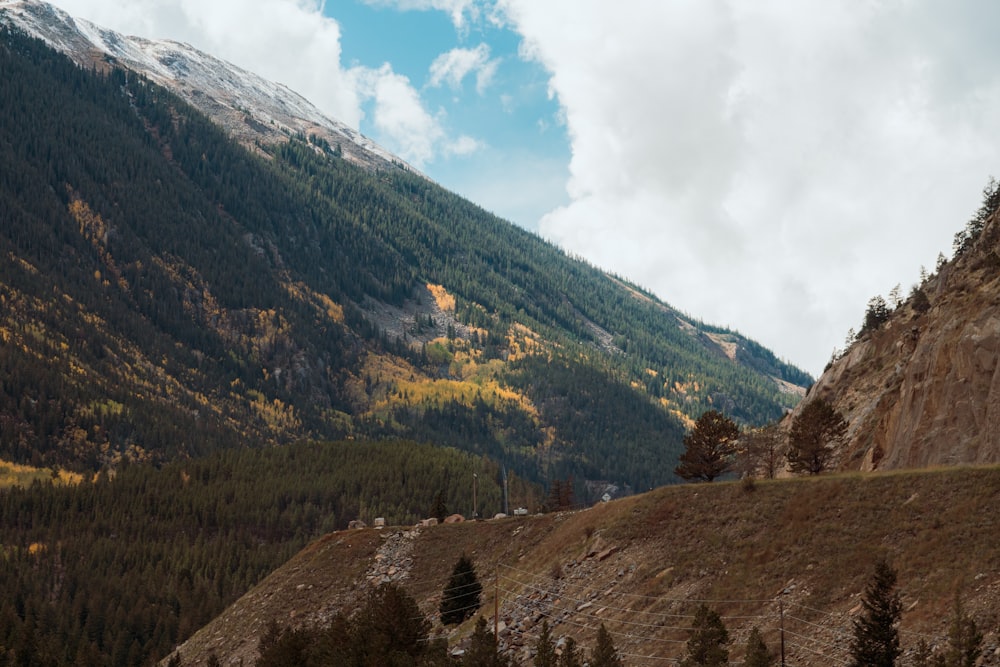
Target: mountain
791 555
252 109
169 292
920 386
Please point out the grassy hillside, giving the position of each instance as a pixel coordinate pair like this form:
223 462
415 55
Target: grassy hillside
167 293
640 565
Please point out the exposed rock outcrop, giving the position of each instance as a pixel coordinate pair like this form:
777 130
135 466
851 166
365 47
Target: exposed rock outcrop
924 388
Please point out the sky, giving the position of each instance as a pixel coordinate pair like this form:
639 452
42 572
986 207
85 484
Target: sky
768 166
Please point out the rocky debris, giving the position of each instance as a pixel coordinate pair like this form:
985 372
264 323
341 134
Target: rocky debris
394 558
559 600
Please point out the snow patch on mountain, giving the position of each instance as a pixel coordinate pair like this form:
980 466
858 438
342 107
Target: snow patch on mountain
248 106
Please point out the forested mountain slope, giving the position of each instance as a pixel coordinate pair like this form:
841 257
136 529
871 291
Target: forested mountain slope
166 292
118 570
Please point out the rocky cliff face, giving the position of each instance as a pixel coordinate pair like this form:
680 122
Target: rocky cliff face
924 388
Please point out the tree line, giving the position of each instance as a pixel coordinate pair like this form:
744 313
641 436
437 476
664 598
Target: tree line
716 445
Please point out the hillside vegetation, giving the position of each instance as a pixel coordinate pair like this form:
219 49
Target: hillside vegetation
116 571
798 551
168 293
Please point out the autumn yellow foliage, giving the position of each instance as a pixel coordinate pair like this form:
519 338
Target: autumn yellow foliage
16 474
445 301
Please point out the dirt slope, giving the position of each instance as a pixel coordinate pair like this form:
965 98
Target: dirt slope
800 548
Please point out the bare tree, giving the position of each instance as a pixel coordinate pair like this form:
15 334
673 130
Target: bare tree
762 452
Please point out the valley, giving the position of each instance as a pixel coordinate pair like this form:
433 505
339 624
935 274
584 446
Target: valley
231 328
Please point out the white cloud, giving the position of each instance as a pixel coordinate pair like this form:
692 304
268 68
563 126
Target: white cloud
769 165
399 116
463 145
452 67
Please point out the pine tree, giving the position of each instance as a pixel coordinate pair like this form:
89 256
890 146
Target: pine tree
709 447
965 641
876 635
707 644
605 654
461 596
439 511
570 657
482 651
545 650
388 625
757 654
810 440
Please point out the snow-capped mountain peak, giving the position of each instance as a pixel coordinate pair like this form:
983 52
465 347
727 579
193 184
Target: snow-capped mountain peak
248 106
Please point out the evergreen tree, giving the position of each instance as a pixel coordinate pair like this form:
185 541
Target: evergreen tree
390 630
709 448
965 641
876 315
439 511
461 596
570 656
545 650
757 654
482 651
876 635
707 645
605 654
810 445
919 300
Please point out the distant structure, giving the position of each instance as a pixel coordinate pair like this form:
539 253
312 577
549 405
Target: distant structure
521 511
379 522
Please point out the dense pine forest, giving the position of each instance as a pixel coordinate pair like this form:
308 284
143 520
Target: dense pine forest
116 571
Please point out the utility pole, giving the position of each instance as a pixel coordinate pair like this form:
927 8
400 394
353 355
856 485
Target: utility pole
496 607
506 509
475 506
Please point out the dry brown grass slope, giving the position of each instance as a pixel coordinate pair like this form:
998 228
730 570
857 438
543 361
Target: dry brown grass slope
801 548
